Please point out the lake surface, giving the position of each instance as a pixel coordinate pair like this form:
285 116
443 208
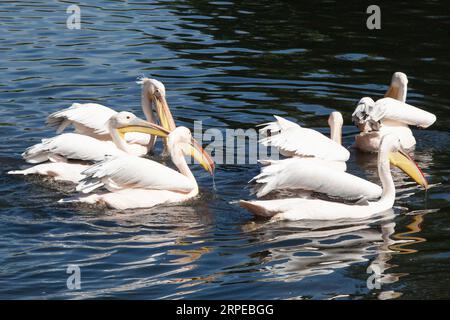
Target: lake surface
231 65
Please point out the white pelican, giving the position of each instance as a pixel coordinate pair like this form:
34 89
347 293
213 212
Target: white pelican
71 153
317 162
294 141
306 174
135 182
389 115
316 209
91 119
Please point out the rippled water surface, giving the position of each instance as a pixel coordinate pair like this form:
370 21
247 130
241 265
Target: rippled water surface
232 65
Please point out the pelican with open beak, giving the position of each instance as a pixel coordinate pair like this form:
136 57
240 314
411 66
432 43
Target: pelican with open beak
317 209
134 182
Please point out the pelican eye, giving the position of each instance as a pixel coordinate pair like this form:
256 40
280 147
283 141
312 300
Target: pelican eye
158 92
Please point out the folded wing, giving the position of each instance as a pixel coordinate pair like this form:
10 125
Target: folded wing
308 175
87 118
128 172
392 109
70 146
304 142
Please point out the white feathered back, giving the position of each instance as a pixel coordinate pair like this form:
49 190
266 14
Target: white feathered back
70 146
83 116
307 174
127 172
302 142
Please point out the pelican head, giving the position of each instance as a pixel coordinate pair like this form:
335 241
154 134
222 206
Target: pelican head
390 144
155 92
399 86
362 115
121 119
399 79
181 139
124 122
152 86
178 139
336 121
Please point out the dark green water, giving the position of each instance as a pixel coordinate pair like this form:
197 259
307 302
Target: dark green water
232 65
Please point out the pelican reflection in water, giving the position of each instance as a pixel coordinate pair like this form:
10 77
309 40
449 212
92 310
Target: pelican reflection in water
329 246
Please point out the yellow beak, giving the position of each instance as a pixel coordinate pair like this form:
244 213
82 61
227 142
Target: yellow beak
203 158
195 150
403 161
164 114
142 126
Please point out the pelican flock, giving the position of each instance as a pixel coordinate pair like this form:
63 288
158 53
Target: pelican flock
312 208
67 155
106 157
106 147
91 119
317 163
314 163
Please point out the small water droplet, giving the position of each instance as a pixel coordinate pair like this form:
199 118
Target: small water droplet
214 183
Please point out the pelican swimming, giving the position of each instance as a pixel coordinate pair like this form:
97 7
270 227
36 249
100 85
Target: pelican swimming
316 209
292 140
71 153
303 174
134 182
91 119
312 174
389 115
